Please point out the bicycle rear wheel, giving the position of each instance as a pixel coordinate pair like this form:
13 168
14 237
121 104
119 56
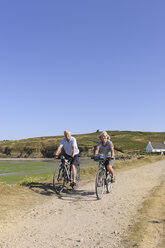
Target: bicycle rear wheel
77 177
58 180
99 185
108 183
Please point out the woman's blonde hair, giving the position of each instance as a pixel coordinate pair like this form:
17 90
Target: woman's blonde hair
104 133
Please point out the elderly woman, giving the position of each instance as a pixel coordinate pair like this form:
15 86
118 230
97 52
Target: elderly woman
105 146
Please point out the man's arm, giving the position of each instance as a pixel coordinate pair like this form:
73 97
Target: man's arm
58 151
73 151
74 145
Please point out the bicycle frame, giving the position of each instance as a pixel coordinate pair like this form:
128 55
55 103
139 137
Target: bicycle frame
103 178
66 168
63 175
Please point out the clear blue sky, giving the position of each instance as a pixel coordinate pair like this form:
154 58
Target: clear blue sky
81 65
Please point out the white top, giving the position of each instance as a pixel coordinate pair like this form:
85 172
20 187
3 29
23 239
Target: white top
68 146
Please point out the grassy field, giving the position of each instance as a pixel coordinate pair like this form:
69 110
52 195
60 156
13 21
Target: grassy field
13 172
125 142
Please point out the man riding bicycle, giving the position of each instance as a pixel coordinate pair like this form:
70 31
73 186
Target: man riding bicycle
105 146
71 150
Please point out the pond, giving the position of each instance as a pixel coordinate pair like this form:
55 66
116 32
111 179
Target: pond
15 170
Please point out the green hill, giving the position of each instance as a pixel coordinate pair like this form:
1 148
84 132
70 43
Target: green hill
125 142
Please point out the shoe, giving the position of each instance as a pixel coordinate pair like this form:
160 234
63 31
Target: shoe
72 184
113 180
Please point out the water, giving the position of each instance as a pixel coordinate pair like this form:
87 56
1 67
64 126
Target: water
13 171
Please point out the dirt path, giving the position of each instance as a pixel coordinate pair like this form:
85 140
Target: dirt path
78 219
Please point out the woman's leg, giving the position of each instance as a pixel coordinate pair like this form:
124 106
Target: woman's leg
110 169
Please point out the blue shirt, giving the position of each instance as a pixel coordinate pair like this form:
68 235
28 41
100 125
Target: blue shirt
68 146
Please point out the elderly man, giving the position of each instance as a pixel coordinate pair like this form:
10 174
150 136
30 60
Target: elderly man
71 150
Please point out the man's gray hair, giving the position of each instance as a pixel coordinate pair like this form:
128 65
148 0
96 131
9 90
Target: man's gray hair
67 131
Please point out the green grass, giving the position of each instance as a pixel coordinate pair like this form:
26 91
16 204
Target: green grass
126 142
13 172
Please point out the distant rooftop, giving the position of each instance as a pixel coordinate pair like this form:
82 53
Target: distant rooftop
158 145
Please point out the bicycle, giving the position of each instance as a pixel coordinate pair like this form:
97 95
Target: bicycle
63 175
103 177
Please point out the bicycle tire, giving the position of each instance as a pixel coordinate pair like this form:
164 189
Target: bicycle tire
99 184
77 177
58 180
108 183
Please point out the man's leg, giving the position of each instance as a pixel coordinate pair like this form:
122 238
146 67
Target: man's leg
74 172
74 165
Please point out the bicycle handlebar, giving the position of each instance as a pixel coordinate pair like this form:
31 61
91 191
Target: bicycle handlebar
97 158
63 158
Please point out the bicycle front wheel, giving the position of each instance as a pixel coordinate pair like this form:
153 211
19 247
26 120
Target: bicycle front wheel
58 180
99 185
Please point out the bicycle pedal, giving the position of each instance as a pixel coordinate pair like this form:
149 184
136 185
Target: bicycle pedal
59 179
99 184
112 180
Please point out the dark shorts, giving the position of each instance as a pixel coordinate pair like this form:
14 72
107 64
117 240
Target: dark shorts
109 162
74 160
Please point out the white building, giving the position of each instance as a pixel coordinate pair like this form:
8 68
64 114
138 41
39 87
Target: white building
156 147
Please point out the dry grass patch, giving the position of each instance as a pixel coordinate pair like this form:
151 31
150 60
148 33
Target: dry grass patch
135 162
149 227
14 199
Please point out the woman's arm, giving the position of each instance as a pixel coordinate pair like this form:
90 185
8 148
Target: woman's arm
112 151
96 151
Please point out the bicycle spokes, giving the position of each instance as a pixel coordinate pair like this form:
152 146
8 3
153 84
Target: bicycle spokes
99 185
63 177
58 180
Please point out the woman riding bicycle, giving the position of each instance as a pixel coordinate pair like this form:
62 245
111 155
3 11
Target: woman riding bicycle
105 146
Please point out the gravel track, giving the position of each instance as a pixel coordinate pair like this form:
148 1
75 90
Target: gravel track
77 219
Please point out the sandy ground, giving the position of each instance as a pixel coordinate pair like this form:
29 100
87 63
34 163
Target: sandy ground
77 219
